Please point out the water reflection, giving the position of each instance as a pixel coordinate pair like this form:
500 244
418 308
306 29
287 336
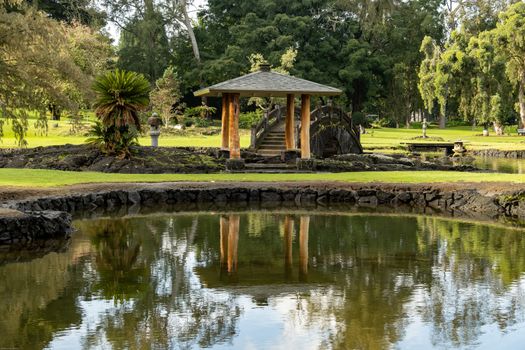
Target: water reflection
501 165
267 280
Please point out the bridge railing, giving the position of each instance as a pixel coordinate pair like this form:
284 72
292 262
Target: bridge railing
268 121
273 117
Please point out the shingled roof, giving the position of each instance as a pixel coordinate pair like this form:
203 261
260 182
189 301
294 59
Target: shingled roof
267 83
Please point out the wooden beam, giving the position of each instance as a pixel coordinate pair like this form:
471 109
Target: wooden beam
235 144
225 118
305 126
289 123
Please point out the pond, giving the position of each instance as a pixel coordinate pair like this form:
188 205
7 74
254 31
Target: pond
496 164
270 280
501 165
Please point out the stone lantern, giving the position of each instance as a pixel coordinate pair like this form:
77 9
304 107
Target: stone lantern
154 123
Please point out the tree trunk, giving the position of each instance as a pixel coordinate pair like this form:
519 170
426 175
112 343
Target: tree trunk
193 40
498 128
521 98
191 33
443 118
55 112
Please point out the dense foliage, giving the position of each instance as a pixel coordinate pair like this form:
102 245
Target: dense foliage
475 74
395 60
45 64
370 49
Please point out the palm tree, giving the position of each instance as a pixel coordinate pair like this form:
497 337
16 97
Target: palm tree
121 95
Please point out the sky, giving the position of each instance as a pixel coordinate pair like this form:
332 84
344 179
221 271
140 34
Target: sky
196 5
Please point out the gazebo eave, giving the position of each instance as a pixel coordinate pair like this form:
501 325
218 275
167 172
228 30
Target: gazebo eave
264 93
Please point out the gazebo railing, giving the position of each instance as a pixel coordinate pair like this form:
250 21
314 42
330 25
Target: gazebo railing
268 121
277 115
327 112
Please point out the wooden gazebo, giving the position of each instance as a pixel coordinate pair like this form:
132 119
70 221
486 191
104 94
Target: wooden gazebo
265 83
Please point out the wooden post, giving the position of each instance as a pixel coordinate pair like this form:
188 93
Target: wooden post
233 241
289 123
225 132
305 126
304 227
235 145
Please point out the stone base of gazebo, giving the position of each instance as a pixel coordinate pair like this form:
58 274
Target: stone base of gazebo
290 155
235 164
306 164
223 154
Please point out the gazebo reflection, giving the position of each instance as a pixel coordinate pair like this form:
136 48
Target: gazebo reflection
294 271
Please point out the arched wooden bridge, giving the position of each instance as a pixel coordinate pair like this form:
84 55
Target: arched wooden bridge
331 132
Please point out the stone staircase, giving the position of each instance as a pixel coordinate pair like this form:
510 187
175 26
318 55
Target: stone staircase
275 168
273 143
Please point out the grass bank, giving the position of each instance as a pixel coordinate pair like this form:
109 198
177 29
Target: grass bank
387 138
59 133
384 139
51 178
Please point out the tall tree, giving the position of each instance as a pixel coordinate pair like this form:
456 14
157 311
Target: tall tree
428 74
144 45
44 62
510 38
71 11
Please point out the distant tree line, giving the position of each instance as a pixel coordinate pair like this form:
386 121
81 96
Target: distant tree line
399 60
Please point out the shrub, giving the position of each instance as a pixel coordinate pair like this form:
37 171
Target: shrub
121 96
246 120
112 140
202 122
199 112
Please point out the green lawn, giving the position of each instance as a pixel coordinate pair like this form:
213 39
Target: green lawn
59 133
385 139
49 178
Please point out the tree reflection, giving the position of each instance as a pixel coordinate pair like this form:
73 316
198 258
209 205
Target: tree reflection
176 281
122 275
476 279
169 309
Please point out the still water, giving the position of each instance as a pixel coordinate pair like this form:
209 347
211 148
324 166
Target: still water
263 280
501 165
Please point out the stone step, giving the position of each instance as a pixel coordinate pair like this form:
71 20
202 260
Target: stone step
269 153
270 166
274 148
272 143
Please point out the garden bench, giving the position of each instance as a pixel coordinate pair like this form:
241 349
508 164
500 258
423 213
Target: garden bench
449 147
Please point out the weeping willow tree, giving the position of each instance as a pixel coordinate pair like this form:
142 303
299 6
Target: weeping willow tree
430 76
44 62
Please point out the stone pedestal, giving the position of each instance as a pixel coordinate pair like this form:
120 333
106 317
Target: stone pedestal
235 164
154 134
290 155
305 164
223 154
